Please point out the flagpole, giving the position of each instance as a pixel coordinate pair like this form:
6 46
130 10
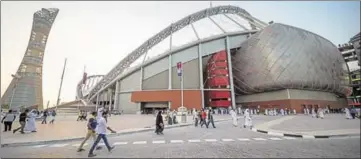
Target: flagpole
84 69
61 84
182 90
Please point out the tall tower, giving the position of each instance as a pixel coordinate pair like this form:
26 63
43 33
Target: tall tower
26 88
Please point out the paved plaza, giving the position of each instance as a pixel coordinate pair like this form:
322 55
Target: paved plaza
332 124
66 127
194 142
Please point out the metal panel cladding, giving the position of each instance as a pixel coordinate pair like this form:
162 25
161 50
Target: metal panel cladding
286 57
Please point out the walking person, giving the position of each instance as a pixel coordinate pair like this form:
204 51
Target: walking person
353 112
266 112
52 117
210 118
8 120
247 119
282 112
22 121
80 116
313 113
91 126
45 115
101 130
348 114
203 118
159 125
321 113
195 117
234 118
31 123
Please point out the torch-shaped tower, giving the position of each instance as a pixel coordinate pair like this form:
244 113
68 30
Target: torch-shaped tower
26 88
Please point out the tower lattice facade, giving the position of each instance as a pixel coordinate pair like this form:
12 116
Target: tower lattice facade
26 88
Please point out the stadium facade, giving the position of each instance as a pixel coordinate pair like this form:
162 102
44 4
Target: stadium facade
25 89
351 54
264 66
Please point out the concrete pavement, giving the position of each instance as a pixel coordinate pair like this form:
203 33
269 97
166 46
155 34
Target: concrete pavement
75 134
67 128
331 125
224 141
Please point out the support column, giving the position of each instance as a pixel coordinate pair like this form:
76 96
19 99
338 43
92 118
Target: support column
169 76
229 59
141 77
116 96
200 60
170 63
97 103
141 88
110 94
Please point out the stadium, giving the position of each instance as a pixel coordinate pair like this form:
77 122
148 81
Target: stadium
260 65
243 62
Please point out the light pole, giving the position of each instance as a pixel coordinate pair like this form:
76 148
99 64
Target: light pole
16 77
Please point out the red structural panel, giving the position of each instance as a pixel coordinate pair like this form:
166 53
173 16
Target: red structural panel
221 103
219 94
222 55
218 81
220 64
218 72
217 65
217 77
353 103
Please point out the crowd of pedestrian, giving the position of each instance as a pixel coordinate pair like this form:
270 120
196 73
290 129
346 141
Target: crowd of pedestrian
352 113
27 120
203 117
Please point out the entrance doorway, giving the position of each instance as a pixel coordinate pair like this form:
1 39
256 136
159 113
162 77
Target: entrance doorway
152 107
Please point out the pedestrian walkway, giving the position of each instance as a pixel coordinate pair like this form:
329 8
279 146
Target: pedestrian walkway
67 127
307 123
331 125
175 141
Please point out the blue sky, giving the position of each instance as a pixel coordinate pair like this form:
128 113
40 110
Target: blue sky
99 34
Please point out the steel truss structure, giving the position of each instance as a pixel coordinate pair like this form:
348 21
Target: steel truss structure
125 63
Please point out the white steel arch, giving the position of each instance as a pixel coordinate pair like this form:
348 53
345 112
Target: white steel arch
84 89
174 27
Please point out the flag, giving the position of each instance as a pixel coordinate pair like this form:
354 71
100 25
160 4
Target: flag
179 68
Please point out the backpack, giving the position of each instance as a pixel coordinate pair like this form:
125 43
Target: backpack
93 123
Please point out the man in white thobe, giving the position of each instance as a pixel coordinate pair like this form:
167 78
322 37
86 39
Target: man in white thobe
239 110
234 118
313 113
348 114
321 113
247 119
274 112
266 112
282 112
31 124
307 111
294 111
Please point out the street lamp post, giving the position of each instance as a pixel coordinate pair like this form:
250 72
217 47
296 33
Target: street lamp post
16 77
